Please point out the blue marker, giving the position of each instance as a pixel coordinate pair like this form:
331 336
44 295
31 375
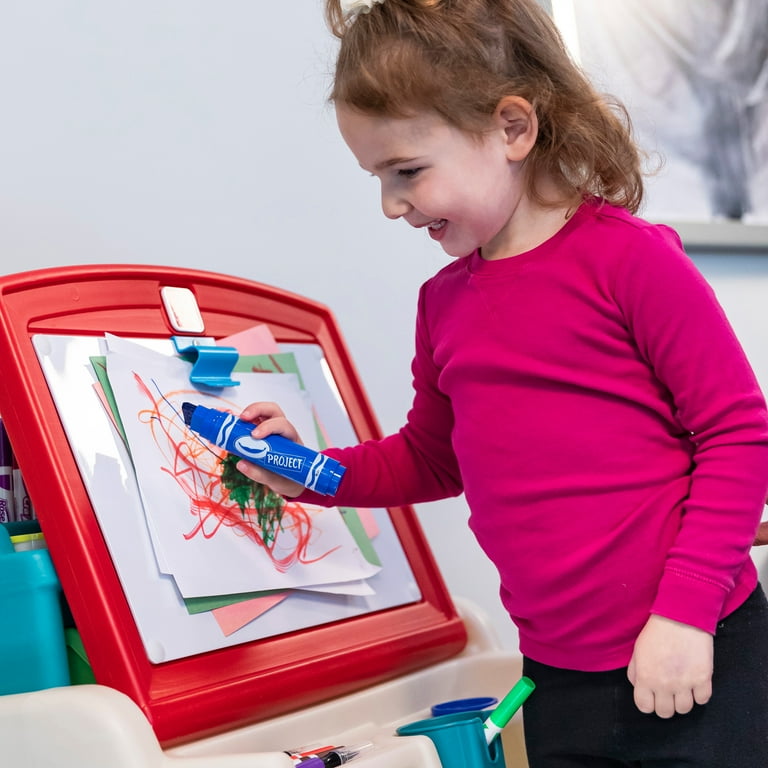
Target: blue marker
313 470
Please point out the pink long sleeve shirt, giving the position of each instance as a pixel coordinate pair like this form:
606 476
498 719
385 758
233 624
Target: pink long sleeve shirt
594 405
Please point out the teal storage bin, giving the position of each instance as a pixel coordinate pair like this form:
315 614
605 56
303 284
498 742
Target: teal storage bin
32 646
459 740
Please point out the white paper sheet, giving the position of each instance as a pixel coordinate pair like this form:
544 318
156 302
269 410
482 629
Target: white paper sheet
201 536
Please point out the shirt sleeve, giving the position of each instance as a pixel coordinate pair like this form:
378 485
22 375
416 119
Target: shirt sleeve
682 331
416 464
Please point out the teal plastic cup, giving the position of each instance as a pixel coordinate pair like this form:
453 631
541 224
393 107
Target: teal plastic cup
459 739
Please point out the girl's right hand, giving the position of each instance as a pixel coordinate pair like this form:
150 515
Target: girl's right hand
268 419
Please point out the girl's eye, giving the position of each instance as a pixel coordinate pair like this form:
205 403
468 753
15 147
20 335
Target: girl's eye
408 173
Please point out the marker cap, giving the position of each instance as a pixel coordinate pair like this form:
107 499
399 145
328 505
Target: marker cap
330 476
311 762
512 702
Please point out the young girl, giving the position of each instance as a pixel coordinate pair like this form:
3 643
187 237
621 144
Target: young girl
574 376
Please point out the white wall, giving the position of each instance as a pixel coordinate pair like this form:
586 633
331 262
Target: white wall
196 134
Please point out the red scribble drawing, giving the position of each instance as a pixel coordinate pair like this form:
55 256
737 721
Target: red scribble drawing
261 368
219 495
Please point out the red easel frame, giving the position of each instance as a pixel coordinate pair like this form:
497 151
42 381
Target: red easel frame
219 690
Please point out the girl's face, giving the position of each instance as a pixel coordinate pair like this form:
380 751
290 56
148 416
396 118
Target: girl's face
463 191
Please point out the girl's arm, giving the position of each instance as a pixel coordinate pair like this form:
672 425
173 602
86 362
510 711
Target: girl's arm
416 464
682 332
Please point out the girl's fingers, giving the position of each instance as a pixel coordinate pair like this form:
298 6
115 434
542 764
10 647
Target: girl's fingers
257 412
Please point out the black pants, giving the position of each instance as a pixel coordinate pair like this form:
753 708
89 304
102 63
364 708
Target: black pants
589 719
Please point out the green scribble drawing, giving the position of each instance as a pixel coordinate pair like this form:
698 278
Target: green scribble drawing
253 497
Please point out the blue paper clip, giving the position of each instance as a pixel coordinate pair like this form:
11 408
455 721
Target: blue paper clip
211 365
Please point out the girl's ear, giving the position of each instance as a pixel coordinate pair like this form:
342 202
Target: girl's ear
517 118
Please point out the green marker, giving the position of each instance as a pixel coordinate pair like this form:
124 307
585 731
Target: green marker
507 708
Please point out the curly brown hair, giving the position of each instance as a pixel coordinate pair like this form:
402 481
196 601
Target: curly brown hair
459 58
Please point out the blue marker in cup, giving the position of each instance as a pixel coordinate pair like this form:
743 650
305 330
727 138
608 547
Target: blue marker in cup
316 471
475 704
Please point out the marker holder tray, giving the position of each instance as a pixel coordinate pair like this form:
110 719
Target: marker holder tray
459 739
32 648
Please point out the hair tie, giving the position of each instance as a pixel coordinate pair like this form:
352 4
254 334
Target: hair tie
351 8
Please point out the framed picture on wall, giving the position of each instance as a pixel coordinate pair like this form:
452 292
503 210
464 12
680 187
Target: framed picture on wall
694 78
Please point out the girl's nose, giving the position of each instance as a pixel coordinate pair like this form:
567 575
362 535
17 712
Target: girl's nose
393 205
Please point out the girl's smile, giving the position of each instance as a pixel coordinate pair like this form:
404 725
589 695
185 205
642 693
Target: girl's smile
436 229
